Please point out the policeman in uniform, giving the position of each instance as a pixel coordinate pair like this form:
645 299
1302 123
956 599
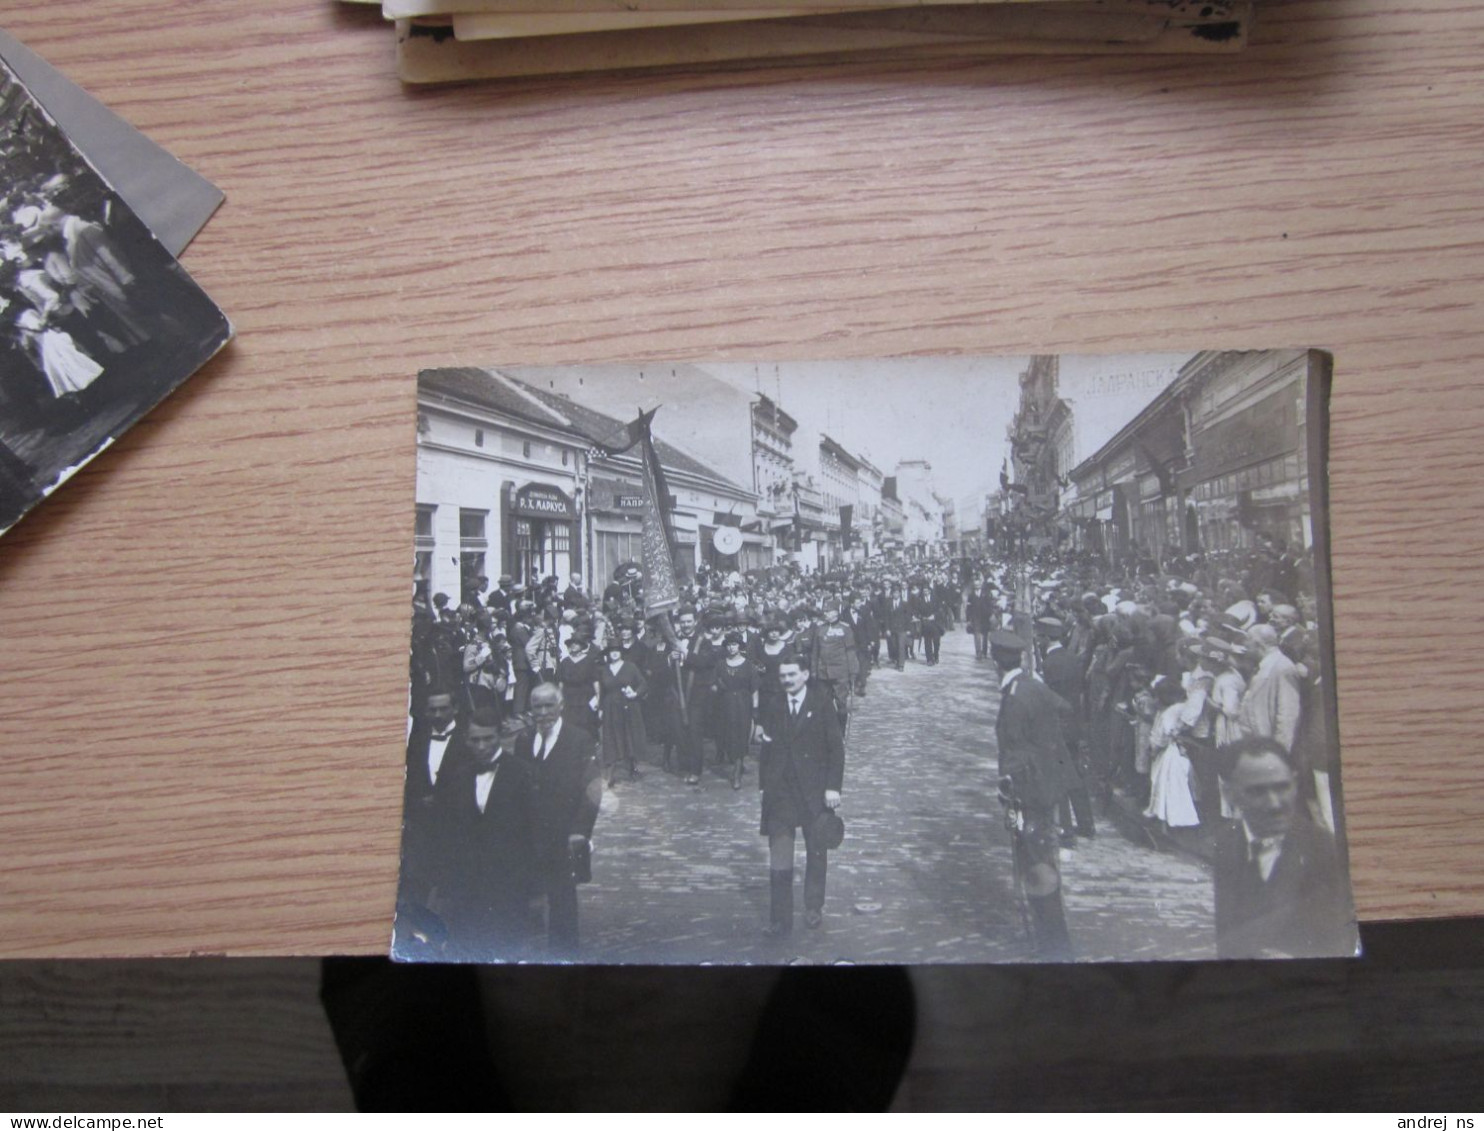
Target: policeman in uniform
1036 773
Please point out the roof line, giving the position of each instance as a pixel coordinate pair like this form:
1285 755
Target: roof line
515 386
1129 430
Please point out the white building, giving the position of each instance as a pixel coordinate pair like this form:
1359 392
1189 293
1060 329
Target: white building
924 511
498 484
506 485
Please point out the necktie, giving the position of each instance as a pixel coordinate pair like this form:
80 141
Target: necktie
540 748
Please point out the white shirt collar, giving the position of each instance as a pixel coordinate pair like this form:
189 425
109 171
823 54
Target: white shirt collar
1009 675
1053 646
483 783
1263 850
548 741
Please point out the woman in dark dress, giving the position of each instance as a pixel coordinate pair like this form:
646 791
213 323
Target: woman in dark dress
767 653
734 704
622 686
577 672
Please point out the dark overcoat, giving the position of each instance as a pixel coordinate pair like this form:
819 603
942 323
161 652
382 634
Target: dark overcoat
1062 670
566 788
1031 742
484 869
798 760
1302 909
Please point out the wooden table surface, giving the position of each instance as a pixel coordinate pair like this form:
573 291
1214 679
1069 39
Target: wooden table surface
205 633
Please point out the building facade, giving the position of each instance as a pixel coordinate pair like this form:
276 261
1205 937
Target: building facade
1216 459
499 486
922 509
868 518
512 479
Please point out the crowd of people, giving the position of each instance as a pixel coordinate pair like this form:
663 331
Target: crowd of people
751 678
1154 676
1166 668
1195 693
64 293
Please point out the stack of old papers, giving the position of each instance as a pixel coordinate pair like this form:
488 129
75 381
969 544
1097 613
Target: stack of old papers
451 40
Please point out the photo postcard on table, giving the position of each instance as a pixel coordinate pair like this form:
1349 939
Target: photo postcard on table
929 660
172 199
98 322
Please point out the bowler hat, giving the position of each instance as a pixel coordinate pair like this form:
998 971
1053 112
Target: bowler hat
828 830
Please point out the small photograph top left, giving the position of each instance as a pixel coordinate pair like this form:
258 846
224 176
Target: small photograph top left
98 322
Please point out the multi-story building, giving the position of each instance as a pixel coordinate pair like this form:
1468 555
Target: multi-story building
868 486
1217 457
772 457
893 519
922 508
839 482
950 525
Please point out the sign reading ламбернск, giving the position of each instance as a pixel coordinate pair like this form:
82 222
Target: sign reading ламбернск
539 500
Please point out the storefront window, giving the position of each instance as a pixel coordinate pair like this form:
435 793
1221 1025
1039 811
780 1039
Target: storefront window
472 548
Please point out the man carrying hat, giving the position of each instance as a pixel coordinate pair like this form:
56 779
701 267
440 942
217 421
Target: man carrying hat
1036 775
801 767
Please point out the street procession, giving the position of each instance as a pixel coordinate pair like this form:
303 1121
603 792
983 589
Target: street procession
1056 689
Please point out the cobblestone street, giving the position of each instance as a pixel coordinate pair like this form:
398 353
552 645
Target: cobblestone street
681 875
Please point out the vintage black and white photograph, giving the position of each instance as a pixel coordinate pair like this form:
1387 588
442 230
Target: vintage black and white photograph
98 323
927 660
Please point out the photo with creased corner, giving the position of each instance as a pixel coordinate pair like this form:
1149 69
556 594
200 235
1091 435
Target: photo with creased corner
98 322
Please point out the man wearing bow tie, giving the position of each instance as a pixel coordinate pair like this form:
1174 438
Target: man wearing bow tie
566 787
801 769
1280 889
482 802
436 743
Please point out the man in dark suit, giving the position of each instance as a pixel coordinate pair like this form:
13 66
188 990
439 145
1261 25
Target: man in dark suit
482 803
1062 671
867 641
1036 773
801 769
897 618
984 616
1280 882
435 745
929 617
566 788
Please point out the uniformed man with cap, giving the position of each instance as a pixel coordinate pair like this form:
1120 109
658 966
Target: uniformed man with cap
836 662
1036 773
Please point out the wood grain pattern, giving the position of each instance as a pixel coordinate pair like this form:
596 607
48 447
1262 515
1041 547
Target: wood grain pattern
205 633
